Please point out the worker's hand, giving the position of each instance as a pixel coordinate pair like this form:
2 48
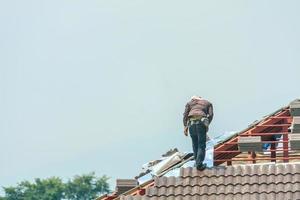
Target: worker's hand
186 129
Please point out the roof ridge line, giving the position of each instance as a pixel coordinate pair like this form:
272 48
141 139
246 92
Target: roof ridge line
229 184
211 194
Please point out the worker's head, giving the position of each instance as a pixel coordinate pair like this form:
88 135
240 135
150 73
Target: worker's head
195 97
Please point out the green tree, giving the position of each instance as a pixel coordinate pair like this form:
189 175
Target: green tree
84 187
47 189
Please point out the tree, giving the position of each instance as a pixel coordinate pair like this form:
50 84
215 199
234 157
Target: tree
47 189
84 187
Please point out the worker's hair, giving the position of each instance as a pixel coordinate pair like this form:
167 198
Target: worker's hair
195 97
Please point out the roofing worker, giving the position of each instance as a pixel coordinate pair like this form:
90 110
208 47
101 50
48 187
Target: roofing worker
196 118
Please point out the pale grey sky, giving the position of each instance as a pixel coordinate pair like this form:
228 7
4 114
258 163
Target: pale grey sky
101 85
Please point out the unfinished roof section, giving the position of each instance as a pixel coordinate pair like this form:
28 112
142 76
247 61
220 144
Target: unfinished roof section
277 181
274 131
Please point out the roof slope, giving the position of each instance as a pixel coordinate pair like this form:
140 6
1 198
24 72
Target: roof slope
259 181
250 181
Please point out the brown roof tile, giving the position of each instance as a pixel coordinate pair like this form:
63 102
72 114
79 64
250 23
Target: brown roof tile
260 181
255 196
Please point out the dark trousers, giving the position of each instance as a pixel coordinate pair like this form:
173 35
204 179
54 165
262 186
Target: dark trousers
198 134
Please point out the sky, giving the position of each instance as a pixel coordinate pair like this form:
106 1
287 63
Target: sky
101 85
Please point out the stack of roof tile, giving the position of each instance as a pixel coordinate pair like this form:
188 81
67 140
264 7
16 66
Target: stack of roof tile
294 137
296 125
250 143
295 107
259 181
294 141
124 185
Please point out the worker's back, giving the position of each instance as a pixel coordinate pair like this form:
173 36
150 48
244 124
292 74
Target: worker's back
199 107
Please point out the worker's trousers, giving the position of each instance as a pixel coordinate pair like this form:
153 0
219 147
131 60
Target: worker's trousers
198 134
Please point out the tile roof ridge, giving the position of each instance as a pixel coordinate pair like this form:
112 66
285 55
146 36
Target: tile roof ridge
243 170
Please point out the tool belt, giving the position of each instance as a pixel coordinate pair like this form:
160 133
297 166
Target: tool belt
198 120
194 118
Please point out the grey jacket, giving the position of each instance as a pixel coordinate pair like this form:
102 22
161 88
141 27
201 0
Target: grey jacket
198 107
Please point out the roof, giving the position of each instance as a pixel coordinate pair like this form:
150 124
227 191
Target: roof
179 181
273 129
228 182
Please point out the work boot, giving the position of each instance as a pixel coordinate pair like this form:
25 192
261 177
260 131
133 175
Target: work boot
201 167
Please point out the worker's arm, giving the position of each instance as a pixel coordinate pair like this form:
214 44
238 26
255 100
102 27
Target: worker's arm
210 113
186 114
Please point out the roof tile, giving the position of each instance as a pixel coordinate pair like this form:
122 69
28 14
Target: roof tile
254 196
260 181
